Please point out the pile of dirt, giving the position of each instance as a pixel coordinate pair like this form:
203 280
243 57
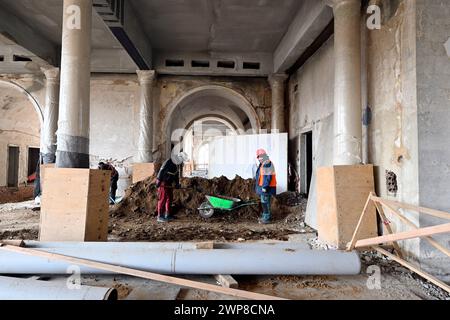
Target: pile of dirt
141 199
12 195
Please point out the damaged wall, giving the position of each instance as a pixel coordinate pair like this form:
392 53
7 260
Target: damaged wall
19 126
170 89
392 97
433 95
311 107
114 123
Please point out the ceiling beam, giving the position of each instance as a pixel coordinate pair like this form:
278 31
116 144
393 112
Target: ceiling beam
14 31
312 18
121 19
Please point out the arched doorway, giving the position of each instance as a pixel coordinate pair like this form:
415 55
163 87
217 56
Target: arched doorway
197 139
210 101
20 134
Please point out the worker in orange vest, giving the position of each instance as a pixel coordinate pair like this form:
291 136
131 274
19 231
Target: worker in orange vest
266 184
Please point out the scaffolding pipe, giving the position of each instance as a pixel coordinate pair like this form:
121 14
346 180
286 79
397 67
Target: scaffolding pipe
199 262
27 289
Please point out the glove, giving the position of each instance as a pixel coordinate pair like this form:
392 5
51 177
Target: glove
158 183
264 190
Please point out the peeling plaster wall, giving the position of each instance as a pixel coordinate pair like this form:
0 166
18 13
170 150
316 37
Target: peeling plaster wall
311 107
171 88
19 126
393 98
115 113
114 123
433 86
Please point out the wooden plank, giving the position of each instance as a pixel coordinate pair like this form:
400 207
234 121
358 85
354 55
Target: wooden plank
205 245
352 243
430 240
226 281
414 269
141 274
431 212
388 227
443 228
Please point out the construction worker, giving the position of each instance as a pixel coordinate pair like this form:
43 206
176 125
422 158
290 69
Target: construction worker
168 179
113 182
266 184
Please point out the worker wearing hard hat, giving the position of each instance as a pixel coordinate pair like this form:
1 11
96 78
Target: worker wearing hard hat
266 184
168 179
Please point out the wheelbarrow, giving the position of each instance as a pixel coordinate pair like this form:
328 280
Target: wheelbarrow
216 203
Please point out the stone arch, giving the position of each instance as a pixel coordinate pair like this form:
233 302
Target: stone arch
215 91
30 97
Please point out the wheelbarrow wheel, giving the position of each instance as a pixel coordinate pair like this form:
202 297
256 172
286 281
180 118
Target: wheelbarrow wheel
206 210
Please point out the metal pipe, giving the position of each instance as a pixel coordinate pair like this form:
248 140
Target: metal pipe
204 262
26 289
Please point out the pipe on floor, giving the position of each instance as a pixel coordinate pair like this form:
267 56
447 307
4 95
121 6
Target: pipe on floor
200 262
166 245
26 289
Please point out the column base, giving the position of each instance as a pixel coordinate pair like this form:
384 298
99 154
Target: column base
142 171
74 205
342 192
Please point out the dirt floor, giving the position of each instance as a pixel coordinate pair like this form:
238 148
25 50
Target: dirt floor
134 219
131 222
9 195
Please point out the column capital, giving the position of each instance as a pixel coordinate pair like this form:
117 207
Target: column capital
51 73
277 78
336 3
146 76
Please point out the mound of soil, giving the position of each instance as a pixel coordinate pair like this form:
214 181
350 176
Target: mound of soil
141 199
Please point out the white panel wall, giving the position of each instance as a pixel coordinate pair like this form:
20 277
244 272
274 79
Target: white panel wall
236 155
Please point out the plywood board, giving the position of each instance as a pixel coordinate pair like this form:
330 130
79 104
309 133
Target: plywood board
142 171
342 192
74 205
42 172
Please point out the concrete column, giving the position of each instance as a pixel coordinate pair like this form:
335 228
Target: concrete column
347 94
145 143
74 106
50 114
277 84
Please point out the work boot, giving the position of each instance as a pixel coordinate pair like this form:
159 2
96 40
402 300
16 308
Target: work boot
162 220
168 217
263 221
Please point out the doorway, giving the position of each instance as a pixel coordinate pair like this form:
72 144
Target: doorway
306 162
13 167
33 159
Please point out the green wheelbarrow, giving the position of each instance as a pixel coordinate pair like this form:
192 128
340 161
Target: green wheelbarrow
215 203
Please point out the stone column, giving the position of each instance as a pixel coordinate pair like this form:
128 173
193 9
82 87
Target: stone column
145 142
277 84
50 114
74 106
347 94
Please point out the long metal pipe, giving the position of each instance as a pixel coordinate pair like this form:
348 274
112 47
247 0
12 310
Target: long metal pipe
26 289
204 262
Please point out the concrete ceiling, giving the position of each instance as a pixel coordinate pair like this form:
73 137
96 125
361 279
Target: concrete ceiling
229 37
46 17
216 25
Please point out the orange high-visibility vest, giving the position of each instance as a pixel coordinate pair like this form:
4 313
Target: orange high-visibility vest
267 171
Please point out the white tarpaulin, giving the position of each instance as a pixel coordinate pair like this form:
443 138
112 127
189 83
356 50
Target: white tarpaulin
236 155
